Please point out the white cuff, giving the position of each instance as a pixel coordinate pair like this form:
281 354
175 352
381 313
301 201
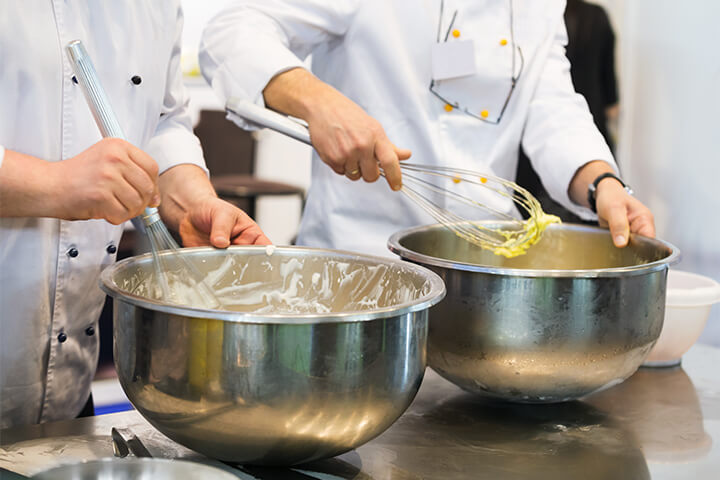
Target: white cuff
175 146
256 68
2 155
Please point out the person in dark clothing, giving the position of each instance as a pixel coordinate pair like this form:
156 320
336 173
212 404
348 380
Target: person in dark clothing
591 51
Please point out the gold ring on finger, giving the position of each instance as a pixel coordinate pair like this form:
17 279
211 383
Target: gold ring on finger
355 172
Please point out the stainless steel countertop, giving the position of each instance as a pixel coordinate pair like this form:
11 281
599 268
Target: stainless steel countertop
659 424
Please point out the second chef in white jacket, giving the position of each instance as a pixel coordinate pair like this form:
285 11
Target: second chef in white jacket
370 98
64 191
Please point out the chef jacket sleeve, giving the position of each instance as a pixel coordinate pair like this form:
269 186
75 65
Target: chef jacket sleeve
174 142
252 41
559 135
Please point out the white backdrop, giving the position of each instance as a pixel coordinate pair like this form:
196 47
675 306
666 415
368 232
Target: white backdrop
669 143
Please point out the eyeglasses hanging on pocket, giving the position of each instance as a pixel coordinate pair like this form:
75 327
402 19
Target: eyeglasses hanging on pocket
454 59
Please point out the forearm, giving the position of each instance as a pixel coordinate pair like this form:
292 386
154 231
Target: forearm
27 186
298 93
584 176
181 187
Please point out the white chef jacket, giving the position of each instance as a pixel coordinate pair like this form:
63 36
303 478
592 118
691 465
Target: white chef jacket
48 296
377 53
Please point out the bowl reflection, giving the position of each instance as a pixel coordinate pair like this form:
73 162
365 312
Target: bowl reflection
662 409
471 437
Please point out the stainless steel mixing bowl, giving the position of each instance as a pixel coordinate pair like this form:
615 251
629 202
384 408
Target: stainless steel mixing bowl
573 316
135 469
275 388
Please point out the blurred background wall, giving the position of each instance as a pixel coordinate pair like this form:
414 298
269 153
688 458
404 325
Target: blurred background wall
668 136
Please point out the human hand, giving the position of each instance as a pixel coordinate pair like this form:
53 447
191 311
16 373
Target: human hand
349 140
353 143
622 212
215 222
112 180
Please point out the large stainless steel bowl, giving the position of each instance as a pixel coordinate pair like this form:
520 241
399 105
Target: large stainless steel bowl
573 316
275 388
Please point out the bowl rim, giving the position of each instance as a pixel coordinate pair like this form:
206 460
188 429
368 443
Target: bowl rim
403 252
706 295
435 295
198 467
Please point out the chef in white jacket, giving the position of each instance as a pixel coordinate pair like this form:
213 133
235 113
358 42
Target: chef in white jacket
463 83
64 192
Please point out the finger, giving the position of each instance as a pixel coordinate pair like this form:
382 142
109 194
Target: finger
251 236
328 157
647 230
327 148
115 212
402 153
641 219
156 197
389 162
643 225
192 232
365 154
129 198
247 232
618 222
222 222
352 169
144 161
142 183
150 168
262 240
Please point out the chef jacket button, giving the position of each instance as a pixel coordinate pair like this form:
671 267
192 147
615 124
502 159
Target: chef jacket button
136 79
484 114
73 252
111 249
503 42
62 337
74 79
90 331
456 33
448 107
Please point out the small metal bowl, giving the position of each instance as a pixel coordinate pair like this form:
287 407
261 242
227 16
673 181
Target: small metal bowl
573 316
134 469
275 388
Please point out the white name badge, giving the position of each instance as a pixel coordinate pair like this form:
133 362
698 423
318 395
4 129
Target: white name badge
453 59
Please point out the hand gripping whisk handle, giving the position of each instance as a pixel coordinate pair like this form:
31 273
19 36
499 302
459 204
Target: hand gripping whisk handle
99 104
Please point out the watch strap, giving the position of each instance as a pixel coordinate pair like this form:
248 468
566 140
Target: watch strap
592 188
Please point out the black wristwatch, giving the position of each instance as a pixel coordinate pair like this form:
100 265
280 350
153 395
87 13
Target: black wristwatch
592 188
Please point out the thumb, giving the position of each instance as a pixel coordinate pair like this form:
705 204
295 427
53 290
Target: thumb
221 226
619 226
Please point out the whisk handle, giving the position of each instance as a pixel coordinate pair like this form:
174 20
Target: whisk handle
263 117
99 104
95 95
